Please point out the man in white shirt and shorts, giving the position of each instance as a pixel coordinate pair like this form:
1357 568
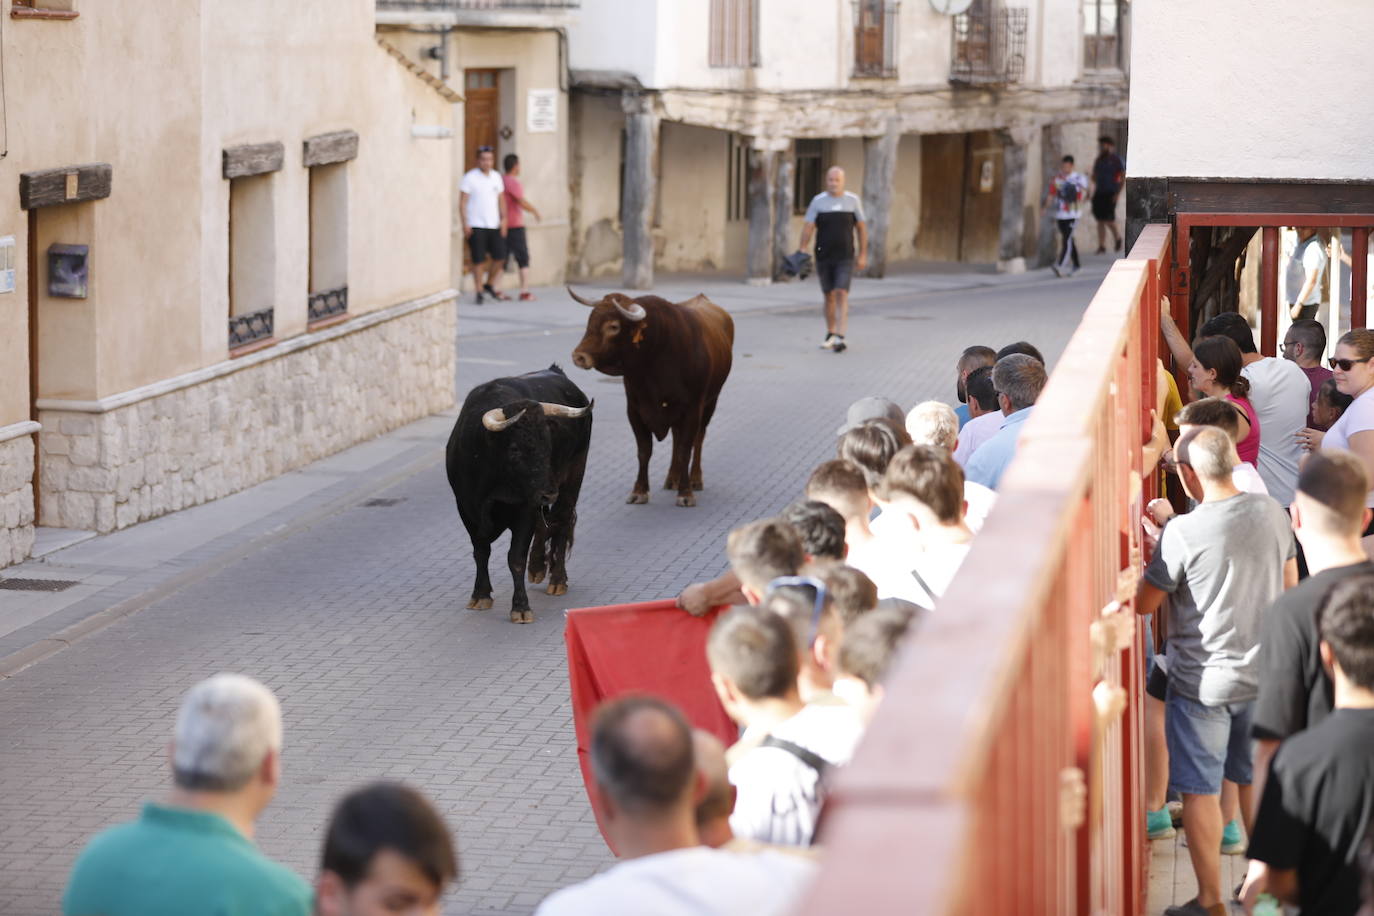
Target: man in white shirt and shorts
482 208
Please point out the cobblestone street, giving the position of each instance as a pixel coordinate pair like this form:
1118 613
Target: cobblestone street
353 612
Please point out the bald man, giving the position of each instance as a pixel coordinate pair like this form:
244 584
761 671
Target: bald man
834 216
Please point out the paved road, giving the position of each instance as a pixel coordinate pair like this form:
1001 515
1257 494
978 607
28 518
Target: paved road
354 613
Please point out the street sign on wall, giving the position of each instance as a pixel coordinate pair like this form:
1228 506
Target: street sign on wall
541 111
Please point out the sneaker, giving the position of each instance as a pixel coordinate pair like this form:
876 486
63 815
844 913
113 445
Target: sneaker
1057 271
1193 908
1100 250
1116 246
829 342
479 299
839 346
1158 825
1232 840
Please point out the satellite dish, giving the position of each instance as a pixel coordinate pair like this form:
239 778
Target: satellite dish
951 7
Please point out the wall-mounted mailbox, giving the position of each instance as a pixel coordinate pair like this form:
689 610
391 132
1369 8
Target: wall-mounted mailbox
68 271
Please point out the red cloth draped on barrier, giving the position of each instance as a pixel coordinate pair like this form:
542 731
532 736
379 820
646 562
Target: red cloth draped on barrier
650 647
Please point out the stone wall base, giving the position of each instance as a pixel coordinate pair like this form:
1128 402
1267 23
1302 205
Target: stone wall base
16 499
110 465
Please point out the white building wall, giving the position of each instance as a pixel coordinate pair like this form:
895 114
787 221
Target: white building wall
1297 89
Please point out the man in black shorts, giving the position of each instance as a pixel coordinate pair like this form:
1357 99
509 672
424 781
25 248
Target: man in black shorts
833 217
1109 173
482 208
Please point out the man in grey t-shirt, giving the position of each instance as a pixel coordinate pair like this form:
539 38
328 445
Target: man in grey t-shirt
1221 565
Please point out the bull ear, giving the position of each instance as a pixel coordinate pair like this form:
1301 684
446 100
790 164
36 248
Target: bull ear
563 410
577 298
495 419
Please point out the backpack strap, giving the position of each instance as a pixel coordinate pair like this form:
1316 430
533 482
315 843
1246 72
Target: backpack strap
810 758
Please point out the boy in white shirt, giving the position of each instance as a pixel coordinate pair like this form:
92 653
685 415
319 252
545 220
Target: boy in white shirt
925 488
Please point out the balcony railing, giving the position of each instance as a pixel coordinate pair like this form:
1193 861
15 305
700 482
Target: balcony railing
445 6
989 47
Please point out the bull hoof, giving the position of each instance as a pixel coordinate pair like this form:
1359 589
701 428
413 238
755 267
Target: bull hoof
637 498
522 616
556 588
686 500
537 575
479 604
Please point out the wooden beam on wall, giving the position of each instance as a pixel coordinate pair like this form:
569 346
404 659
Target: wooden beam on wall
253 159
67 185
327 149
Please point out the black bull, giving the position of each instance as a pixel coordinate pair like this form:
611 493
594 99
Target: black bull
515 462
674 357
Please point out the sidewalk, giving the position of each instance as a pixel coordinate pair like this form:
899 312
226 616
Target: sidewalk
106 578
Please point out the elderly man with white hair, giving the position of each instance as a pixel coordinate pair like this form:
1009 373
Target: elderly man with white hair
935 423
195 854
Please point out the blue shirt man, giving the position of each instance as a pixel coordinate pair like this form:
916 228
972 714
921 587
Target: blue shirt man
1019 379
993 456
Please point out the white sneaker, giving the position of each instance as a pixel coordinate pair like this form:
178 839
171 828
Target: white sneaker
1057 271
829 342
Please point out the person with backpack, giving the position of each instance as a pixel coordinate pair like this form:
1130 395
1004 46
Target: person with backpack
1067 190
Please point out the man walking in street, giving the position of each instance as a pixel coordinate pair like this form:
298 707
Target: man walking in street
1109 174
516 206
834 216
1067 190
481 206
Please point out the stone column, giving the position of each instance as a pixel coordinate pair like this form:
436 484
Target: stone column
762 165
880 165
782 208
1051 149
1011 237
637 201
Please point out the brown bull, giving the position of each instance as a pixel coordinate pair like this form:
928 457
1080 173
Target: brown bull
674 357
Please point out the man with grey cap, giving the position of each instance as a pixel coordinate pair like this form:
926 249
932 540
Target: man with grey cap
195 853
872 408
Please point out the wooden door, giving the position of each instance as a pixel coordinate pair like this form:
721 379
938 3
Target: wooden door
982 222
943 161
481 114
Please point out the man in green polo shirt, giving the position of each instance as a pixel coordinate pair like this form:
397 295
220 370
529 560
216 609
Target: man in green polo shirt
195 854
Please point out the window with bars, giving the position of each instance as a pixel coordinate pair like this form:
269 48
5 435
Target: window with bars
734 33
875 38
1101 32
808 178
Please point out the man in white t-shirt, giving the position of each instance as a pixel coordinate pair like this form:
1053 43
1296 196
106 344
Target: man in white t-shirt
482 208
926 487
646 779
934 423
1066 192
1280 393
842 486
788 747
1302 279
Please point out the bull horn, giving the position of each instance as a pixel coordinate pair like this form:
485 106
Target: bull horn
563 410
495 419
578 298
634 313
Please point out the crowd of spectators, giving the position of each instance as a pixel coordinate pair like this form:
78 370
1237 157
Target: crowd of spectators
1260 706
1260 720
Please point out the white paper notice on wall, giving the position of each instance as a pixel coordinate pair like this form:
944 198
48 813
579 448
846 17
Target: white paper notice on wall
541 111
6 264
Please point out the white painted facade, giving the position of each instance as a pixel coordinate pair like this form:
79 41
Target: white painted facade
804 87
1296 87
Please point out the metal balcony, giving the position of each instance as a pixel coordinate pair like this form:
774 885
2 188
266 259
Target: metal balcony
989 47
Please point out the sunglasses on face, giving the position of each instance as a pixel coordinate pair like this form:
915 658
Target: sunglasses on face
817 602
1345 365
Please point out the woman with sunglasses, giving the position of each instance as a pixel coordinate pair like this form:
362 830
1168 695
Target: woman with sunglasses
1354 431
1215 373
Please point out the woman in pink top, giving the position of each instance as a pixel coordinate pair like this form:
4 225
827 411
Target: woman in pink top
1215 372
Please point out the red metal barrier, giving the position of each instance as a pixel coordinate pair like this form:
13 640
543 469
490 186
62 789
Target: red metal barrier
961 797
